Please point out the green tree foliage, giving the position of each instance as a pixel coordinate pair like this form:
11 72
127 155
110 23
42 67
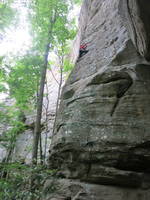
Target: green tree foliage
50 22
68 66
15 181
50 28
7 16
78 2
13 119
2 77
7 19
23 80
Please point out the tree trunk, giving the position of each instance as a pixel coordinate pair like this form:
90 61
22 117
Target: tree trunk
46 123
37 130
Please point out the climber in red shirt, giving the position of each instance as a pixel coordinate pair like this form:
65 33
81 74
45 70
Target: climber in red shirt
83 50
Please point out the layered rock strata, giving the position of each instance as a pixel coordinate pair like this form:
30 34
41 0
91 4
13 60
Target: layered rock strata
103 126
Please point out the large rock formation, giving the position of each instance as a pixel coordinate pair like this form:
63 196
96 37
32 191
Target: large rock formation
103 127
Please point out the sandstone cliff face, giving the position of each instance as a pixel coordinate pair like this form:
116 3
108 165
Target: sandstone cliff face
103 127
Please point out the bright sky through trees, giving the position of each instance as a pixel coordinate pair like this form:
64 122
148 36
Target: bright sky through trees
17 39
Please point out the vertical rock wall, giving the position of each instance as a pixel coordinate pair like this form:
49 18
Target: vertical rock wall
103 127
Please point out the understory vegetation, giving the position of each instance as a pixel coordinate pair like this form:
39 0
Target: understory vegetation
23 83
15 181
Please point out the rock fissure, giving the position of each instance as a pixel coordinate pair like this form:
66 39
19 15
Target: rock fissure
114 106
134 28
122 89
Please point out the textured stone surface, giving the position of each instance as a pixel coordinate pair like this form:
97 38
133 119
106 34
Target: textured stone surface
75 190
4 126
136 15
103 127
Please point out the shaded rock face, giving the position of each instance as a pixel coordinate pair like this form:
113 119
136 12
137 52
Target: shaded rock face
103 126
73 190
136 15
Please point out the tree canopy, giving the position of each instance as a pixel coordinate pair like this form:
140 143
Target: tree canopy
24 76
7 16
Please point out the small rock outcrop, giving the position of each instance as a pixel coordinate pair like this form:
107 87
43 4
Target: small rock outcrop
102 135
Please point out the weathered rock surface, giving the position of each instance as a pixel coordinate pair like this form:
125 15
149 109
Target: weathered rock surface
73 190
103 126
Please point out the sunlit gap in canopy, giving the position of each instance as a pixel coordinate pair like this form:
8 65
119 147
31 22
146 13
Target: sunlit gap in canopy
17 40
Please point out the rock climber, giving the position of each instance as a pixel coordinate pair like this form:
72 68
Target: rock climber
83 50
